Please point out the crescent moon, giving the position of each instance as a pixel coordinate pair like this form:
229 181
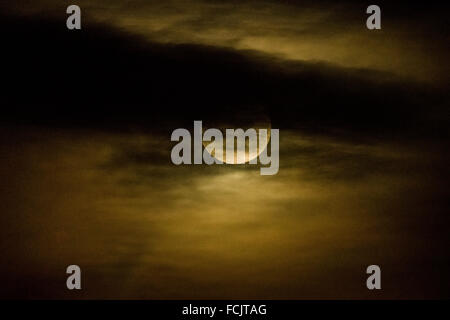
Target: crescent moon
262 122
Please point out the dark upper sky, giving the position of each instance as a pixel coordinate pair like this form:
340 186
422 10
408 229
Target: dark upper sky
313 65
413 36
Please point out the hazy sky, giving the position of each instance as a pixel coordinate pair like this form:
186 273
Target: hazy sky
143 228
86 176
413 41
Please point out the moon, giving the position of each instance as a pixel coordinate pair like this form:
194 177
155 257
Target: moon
245 122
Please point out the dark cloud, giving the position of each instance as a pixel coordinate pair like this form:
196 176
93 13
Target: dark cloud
413 36
110 78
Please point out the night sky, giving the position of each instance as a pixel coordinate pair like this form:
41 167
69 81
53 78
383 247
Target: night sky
85 170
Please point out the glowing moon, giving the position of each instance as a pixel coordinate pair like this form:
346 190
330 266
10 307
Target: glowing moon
257 123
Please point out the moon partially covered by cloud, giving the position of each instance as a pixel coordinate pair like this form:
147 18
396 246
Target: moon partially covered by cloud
245 121
85 170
